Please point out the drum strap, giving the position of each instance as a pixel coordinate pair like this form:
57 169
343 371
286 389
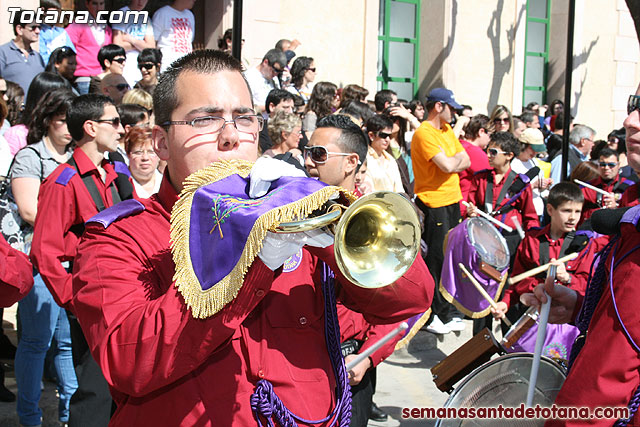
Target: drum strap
544 247
488 195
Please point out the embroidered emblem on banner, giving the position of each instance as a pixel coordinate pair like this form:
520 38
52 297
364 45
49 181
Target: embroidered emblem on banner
224 205
556 350
293 262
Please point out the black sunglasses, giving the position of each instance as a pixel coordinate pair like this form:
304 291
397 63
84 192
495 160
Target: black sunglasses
633 104
608 164
312 69
146 66
119 60
115 122
122 86
384 135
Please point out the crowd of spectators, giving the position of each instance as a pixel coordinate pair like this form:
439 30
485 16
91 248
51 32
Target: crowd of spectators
435 151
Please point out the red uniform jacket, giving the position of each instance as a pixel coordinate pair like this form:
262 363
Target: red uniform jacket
64 205
523 208
167 368
16 275
593 199
606 373
528 257
630 197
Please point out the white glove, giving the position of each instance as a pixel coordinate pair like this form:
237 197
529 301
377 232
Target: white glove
266 170
279 247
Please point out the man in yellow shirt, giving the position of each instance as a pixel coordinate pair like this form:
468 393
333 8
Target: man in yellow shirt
437 157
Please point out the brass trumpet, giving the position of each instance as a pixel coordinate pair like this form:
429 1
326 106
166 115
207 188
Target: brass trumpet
377 237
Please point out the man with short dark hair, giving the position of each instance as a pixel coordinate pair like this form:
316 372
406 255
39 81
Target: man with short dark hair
259 357
437 157
277 100
19 63
262 78
609 181
383 99
73 193
530 119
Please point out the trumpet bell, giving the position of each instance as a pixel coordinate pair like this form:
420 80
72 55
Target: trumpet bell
377 239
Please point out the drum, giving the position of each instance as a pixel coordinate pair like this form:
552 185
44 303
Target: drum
478 245
504 381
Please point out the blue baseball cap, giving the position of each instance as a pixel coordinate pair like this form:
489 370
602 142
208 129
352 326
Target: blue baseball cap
443 95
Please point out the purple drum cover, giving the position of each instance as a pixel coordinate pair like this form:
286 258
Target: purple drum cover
454 285
557 343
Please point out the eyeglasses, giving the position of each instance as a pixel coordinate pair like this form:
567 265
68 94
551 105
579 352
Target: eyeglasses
276 70
120 60
32 27
312 69
608 164
384 135
140 153
115 122
320 154
494 152
121 86
497 120
633 103
212 124
147 66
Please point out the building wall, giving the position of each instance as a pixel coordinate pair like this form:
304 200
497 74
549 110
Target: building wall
341 36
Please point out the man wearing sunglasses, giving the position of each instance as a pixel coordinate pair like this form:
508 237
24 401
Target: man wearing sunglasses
613 319
437 157
73 193
262 78
609 180
334 154
114 86
167 367
18 62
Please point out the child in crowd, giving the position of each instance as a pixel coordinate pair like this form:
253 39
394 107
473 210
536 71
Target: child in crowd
547 244
498 192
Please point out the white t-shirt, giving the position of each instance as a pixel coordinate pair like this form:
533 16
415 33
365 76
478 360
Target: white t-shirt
260 87
137 31
174 32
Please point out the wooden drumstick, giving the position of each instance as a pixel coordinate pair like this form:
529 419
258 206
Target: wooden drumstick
490 218
540 269
483 292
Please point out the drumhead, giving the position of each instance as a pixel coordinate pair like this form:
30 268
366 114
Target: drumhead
504 381
488 242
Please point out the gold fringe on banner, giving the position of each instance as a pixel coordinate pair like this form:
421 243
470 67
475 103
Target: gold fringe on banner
206 303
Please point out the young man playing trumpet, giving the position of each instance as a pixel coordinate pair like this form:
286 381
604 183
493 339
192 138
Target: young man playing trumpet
267 344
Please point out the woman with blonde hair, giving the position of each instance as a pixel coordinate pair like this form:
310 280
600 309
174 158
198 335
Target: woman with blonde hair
501 119
285 131
140 97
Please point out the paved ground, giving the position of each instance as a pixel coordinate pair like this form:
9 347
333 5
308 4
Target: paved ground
404 380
